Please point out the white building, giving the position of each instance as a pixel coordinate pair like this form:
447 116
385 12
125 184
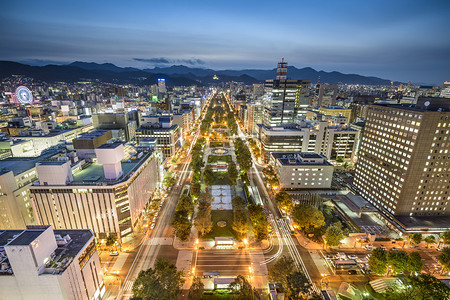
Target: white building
302 170
47 264
16 176
108 196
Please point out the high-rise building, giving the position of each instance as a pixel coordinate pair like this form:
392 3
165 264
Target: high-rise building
162 86
285 100
255 116
42 263
403 161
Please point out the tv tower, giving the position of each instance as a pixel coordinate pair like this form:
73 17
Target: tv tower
282 69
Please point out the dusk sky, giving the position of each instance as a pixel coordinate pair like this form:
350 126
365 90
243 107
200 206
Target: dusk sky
396 40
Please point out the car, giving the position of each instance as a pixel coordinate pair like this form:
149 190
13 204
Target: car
353 257
114 253
153 226
352 272
383 247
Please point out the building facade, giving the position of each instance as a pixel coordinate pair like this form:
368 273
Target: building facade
107 197
403 161
42 263
302 170
168 139
285 100
337 143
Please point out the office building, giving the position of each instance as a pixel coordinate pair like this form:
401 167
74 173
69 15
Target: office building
107 196
168 135
327 95
335 111
337 143
302 170
255 112
403 162
162 86
85 144
42 263
122 125
285 100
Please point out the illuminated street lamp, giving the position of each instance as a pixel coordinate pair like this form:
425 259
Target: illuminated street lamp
245 242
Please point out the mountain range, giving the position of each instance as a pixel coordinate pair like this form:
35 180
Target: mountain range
174 75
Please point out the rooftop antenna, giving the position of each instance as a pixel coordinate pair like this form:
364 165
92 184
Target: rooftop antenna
282 69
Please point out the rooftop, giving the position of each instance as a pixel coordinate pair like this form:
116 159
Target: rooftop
26 237
21 164
7 235
79 238
424 222
156 126
300 158
109 146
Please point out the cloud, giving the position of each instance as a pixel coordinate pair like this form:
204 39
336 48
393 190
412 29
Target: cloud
166 61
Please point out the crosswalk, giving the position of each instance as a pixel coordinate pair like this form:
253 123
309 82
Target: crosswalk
128 285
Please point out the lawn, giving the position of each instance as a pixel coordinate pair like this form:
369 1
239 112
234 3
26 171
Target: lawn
215 144
221 178
221 215
215 158
219 126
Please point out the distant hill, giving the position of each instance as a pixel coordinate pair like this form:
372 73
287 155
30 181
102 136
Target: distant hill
174 75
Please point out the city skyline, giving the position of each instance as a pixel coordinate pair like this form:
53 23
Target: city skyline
397 41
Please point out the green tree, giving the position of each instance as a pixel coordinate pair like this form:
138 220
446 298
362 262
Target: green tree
208 175
419 287
197 289
240 222
255 211
182 225
261 229
378 261
168 180
334 235
195 189
415 262
444 258
284 201
232 172
416 238
111 240
205 198
446 237
185 204
197 176
238 202
279 272
398 260
203 222
162 282
242 289
430 239
308 217
298 286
